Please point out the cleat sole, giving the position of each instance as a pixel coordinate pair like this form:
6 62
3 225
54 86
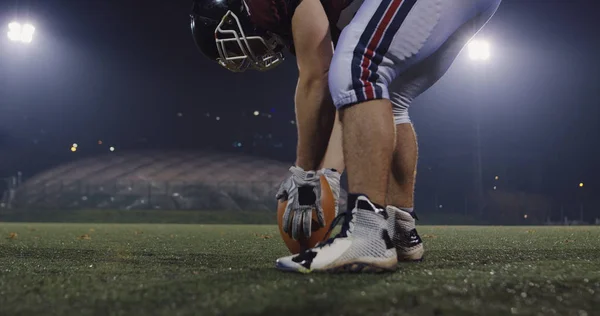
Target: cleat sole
350 267
359 268
408 260
285 268
383 266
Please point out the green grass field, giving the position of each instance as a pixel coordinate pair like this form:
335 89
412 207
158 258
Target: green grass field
154 269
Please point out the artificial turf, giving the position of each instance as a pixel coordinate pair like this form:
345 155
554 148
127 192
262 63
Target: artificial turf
155 269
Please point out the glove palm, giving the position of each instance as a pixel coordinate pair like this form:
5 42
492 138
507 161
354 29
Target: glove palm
302 190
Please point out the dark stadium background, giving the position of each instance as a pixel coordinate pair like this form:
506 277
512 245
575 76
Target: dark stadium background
127 73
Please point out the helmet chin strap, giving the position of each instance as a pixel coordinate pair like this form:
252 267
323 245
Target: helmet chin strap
239 63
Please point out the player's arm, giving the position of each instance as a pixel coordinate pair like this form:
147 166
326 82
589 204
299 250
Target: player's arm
315 115
315 112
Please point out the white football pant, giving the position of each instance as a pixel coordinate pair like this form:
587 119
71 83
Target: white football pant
397 49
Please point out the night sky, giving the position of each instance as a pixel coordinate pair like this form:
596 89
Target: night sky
127 72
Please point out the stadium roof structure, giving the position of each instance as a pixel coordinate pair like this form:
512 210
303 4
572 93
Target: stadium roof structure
158 179
198 180
180 166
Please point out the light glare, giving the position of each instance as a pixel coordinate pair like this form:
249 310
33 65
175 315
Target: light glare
479 50
20 33
14 31
27 33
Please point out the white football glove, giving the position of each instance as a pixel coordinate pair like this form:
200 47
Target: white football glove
302 191
304 203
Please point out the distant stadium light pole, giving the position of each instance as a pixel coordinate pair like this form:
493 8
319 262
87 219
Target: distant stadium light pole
479 51
581 197
22 33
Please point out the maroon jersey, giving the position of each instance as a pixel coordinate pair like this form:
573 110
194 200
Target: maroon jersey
275 16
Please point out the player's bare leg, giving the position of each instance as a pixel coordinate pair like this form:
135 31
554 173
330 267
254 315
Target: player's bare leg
334 157
400 195
368 139
403 168
332 165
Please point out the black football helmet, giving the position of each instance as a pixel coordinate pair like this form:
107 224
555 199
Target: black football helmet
224 33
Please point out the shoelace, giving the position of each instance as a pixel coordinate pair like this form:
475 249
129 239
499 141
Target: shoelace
346 217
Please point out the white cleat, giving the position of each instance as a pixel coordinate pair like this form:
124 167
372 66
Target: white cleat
364 244
409 245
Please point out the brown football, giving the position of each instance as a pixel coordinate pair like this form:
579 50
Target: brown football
318 233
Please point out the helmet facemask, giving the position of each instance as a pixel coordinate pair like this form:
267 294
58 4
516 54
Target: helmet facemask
238 52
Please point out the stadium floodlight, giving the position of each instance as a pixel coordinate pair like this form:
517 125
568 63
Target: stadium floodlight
479 50
18 32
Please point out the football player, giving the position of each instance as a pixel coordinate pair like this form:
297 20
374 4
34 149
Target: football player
387 52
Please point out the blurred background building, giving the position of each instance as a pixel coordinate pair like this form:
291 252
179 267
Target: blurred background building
199 180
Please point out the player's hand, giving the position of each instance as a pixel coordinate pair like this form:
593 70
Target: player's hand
302 191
